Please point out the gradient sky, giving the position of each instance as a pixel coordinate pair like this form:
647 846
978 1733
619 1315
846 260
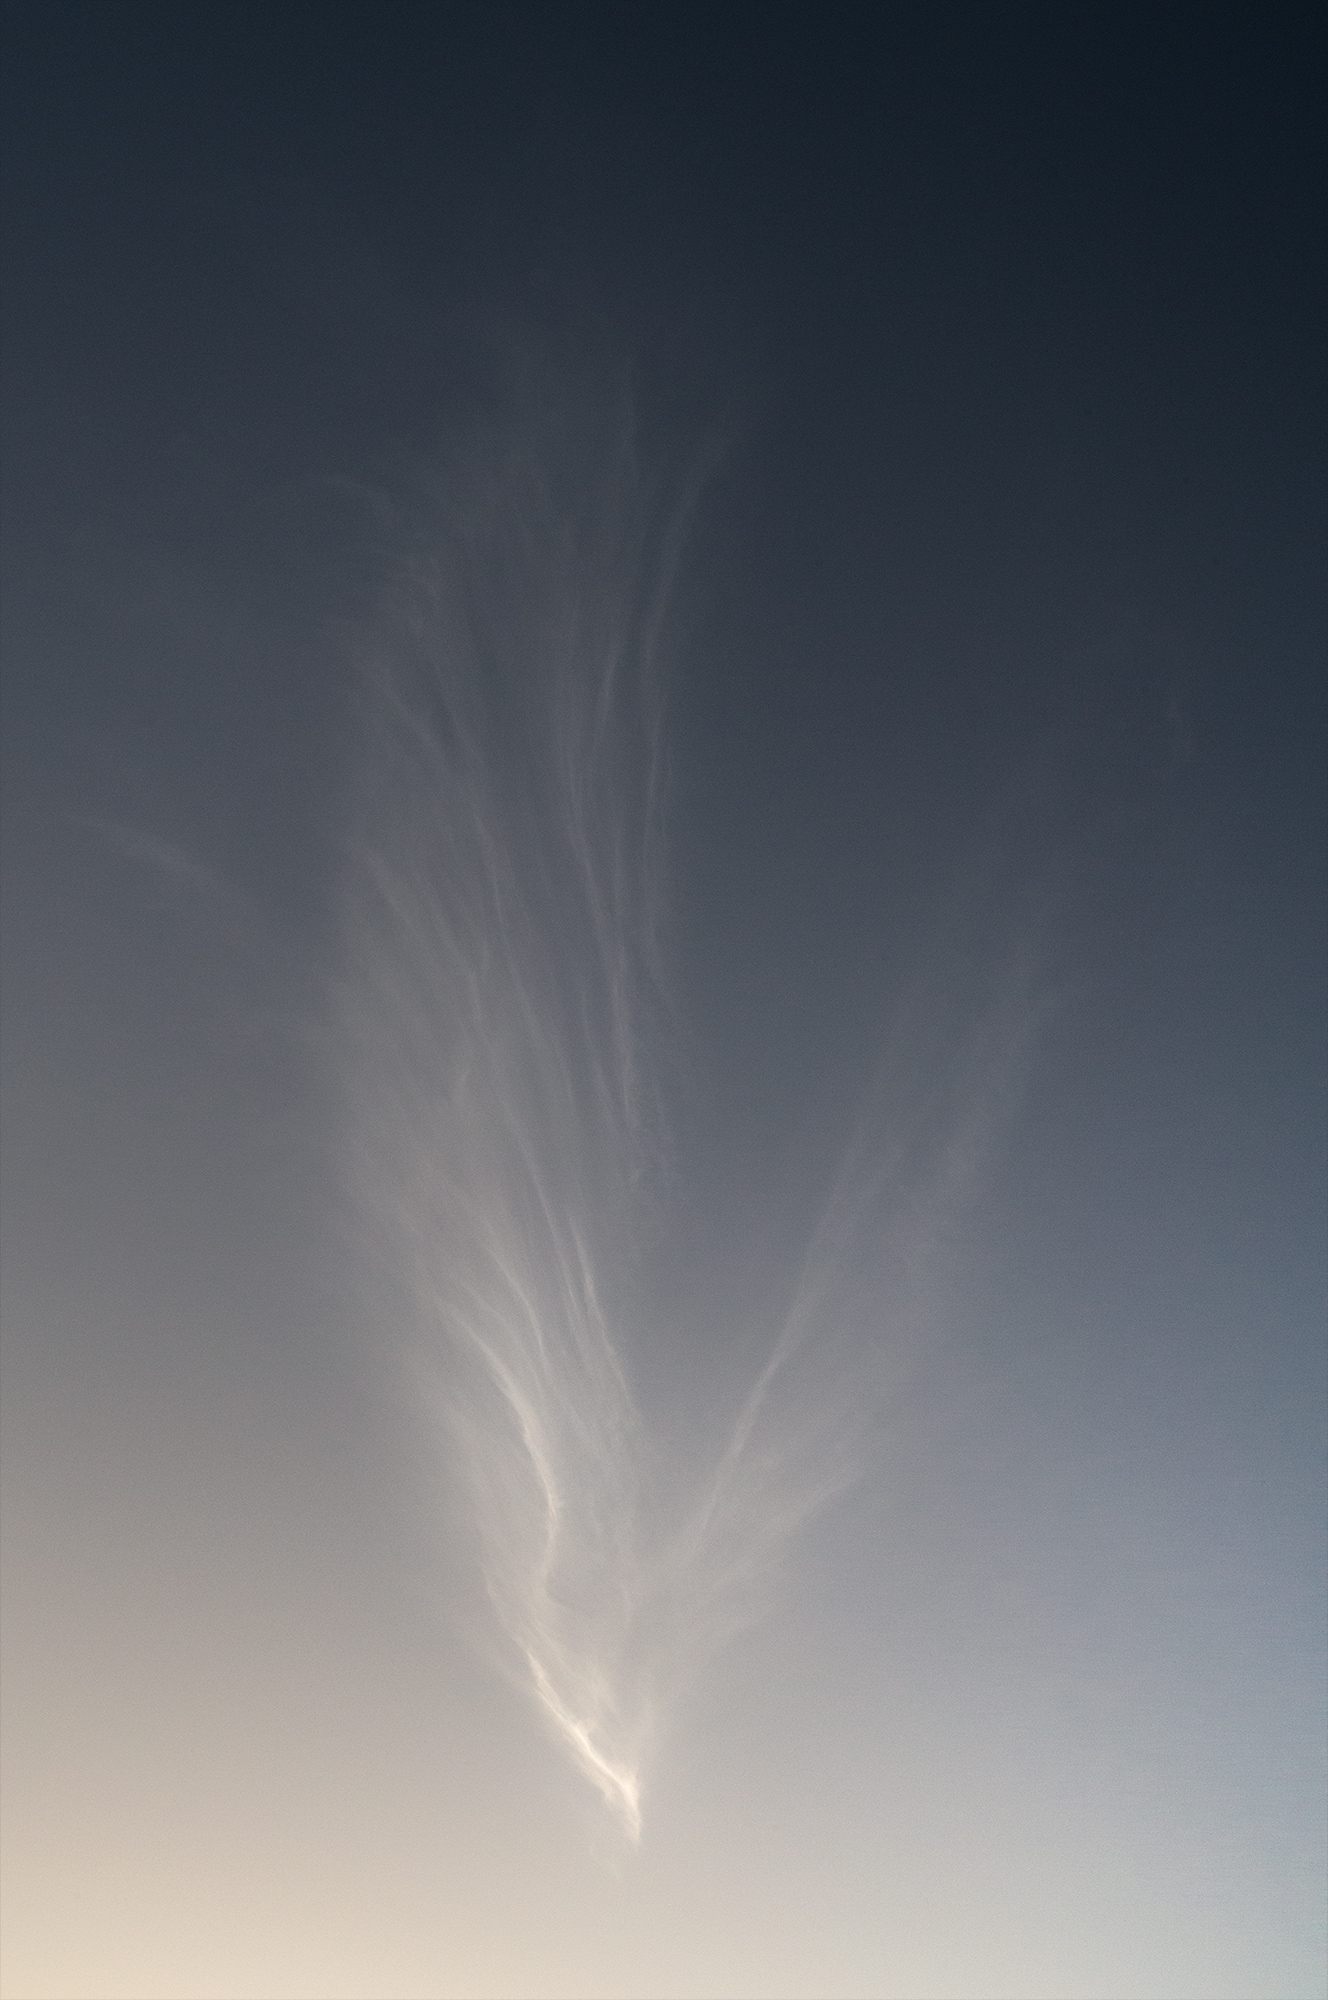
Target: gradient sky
999 642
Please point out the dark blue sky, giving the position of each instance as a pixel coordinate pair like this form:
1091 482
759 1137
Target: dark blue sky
1000 641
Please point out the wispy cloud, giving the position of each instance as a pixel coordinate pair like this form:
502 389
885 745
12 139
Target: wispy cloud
502 1012
165 859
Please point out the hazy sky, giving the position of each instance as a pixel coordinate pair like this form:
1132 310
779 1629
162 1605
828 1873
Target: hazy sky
664 698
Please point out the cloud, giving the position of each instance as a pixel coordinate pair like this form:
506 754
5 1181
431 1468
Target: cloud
164 858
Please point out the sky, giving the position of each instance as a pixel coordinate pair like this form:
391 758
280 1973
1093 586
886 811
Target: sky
663 992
